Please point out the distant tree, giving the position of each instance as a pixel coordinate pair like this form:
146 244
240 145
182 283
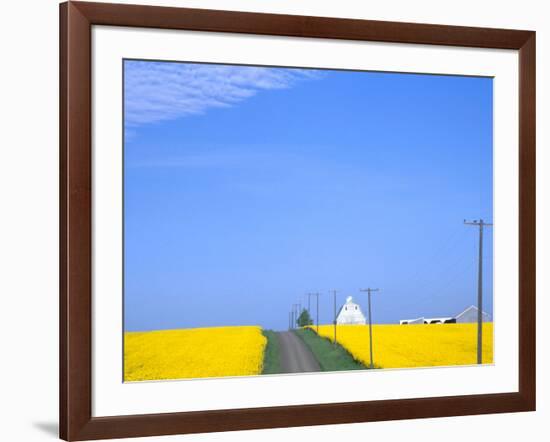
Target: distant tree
304 319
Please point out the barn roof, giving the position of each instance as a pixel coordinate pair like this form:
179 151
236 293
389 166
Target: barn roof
472 307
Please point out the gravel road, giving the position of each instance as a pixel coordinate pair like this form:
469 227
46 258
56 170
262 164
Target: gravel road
295 355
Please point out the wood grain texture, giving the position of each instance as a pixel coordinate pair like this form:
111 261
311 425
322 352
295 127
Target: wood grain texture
76 221
527 220
63 225
299 26
76 20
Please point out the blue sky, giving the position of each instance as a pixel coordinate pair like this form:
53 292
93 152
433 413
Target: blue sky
247 187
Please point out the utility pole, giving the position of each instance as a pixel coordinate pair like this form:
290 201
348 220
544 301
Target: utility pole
369 290
317 296
334 297
309 295
481 224
295 309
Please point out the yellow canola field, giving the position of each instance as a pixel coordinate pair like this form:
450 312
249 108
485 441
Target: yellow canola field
402 346
193 353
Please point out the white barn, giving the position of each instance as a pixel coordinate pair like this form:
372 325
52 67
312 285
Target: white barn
350 313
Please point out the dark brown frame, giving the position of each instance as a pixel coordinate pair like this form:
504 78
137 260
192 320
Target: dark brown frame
76 421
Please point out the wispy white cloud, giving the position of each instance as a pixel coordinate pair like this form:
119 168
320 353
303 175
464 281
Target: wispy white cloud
218 159
157 91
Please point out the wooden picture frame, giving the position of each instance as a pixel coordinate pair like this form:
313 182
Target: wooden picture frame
76 21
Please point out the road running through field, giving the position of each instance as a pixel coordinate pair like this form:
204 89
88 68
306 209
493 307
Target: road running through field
295 356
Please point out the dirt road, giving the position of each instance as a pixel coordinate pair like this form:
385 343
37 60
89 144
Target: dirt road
295 356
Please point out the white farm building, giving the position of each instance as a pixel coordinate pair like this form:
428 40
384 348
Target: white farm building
350 313
422 320
468 315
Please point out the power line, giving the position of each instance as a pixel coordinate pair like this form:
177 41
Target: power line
461 267
449 268
481 224
444 246
369 290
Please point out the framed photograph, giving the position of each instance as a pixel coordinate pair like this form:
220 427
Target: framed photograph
274 220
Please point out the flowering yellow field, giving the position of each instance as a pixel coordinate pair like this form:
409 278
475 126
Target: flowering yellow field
400 346
193 353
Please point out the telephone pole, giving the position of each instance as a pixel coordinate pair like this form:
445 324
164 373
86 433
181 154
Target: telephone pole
369 290
309 295
317 296
334 322
481 224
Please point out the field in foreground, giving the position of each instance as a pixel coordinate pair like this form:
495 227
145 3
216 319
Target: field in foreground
193 353
403 346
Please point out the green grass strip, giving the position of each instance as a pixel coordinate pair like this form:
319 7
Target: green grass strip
272 359
331 357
